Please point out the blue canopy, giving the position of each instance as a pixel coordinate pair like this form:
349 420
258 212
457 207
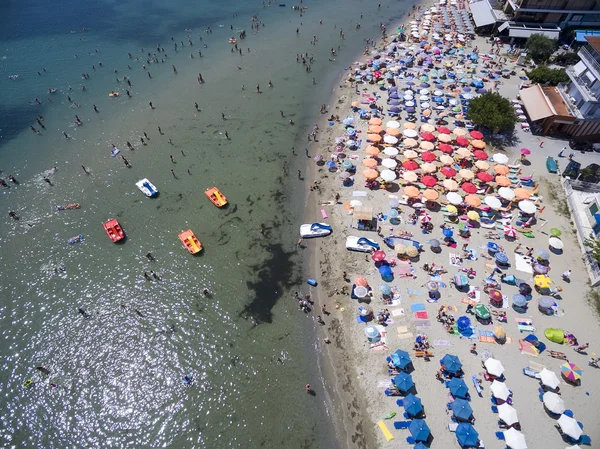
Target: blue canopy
401 359
452 363
581 34
458 388
420 445
463 323
403 381
448 232
419 430
412 405
461 409
385 271
519 300
466 435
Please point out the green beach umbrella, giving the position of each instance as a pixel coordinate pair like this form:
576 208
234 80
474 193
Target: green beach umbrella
482 312
555 232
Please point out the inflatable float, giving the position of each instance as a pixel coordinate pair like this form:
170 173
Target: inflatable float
232 40
113 94
68 206
76 239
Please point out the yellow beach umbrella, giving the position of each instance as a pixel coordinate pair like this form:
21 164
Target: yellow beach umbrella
472 214
542 281
451 209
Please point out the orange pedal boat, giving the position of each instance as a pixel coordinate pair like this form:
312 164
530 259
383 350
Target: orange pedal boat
114 230
190 241
215 195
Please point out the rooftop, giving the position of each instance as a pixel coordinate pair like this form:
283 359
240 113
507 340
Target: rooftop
594 41
557 101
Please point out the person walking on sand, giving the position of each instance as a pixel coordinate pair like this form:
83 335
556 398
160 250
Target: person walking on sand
308 389
85 170
306 152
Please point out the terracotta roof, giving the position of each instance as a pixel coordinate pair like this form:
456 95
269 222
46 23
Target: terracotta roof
557 101
594 41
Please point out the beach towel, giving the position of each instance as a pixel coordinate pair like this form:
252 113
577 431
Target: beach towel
504 302
469 301
454 259
442 343
359 193
528 348
417 307
477 291
407 336
386 433
522 264
421 315
395 302
402 329
450 308
398 312
379 346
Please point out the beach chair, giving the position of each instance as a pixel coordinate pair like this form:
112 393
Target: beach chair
500 435
400 403
401 424
580 424
411 440
477 386
585 439
424 354
494 409
531 373
452 426
525 327
569 413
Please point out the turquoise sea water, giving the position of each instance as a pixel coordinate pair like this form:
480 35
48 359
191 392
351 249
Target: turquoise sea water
116 377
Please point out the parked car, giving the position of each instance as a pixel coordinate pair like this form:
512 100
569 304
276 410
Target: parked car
572 170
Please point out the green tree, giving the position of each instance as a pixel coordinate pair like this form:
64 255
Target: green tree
492 111
594 245
544 75
541 47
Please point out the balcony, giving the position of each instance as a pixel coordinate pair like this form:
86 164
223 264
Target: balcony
590 61
581 82
573 109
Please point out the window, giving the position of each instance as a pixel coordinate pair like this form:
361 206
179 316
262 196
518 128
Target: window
593 209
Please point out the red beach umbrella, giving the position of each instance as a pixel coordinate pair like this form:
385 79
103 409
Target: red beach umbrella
428 156
429 181
476 135
484 176
468 187
448 172
445 148
410 165
481 155
443 130
428 136
463 142
378 256
525 151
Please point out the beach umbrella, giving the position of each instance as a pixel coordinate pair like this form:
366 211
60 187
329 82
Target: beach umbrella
378 256
482 165
472 215
571 372
462 141
410 165
510 231
445 148
375 121
522 194
543 254
445 138
476 135
388 175
549 378
411 191
390 151
499 332
463 153
351 143
443 130
500 158
428 167
556 243
392 213
400 358
434 243
446 160
512 437
466 435
459 132
506 193
347 165
519 300
424 217
410 133
542 281
361 291
427 136
371 331
410 176
484 176
450 185
372 151
386 290
370 174
318 158
361 281
503 181
454 198
400 249
430 194
555 232
428 156
369 162
501 169
461 409
376 129
410 154
466 174
527 206
493 366
427 128
393 124
461 279
389 139
501 258
403 381
389 163
412 405
428 181
525 151
468 187
432 286
495 295
481 311
553 402
569 426
480 155
345 175
449 172
458 388
492 202
499 390
373 138
540 269
419 430
410 143
385 272
392 132
451 363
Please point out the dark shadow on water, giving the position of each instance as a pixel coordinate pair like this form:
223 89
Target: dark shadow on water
275 275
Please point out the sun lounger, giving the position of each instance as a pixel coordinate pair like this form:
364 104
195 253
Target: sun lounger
585 439
410 440
400 403
452 426
401 424
488 225
477 386
386 433
526 328
569 413
531 373
500 435
424 354
494 409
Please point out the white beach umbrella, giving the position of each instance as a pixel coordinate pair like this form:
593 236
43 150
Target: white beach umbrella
425 105
388 175
408 92
454 198
527 206
508 414
569 426
506 192
390 139
514 439
391 151
361 291
556 243
424 92
393 124
410 133
499 390
389 163
553 402
549 378
423 97
492 202
500 158
408 97
438 93
494 367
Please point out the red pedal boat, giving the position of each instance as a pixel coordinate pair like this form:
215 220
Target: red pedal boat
114 230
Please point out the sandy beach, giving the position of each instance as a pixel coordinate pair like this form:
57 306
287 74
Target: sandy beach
357 367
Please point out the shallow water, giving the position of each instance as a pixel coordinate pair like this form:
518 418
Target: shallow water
117 376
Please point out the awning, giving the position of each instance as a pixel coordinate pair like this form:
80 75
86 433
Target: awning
519 30
581 34
535 103
482 13
363 213
597 218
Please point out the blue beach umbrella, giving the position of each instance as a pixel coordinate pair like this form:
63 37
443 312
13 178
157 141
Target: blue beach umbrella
401 359
420 445
385 271
419 430
466 435
501 258
434 243
448 232
347 165
330 164
413 405
452 363
461 409
543 254
463 323
519 300
403 381
385 289
392 213
394 109
458 388
394 102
